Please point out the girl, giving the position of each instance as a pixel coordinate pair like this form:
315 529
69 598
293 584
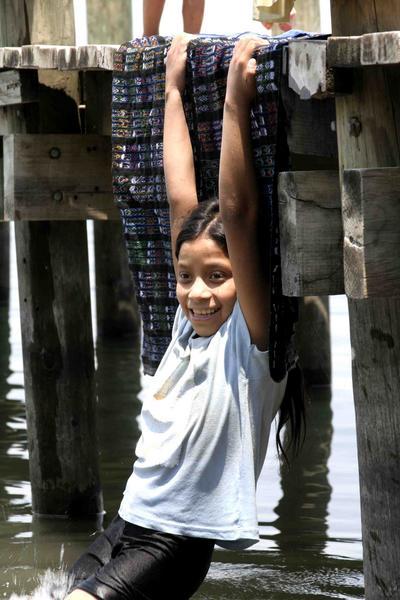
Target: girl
205 427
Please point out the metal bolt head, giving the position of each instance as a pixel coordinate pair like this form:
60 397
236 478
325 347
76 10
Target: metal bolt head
54 152
57 196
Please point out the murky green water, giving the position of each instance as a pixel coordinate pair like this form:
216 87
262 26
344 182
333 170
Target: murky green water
309 516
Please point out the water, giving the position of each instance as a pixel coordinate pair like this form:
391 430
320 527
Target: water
309 516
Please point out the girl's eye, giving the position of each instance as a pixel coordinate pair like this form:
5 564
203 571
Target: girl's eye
182 276
217 276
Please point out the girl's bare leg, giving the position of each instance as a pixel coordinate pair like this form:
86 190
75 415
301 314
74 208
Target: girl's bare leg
79 595
152 11
192 11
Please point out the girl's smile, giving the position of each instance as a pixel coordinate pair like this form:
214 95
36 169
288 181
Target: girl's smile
205 287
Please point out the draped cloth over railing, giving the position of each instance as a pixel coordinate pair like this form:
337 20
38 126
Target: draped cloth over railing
138 179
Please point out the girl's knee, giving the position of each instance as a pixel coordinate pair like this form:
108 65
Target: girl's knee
79 595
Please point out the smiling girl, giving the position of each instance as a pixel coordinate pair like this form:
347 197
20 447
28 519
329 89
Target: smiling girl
206 423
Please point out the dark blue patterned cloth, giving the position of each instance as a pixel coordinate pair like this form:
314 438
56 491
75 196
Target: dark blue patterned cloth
138 179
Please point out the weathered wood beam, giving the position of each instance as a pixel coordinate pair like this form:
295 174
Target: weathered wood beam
311 233
371 218
54 294
368 128
58 177
18 87
308 75
379 48
310 126
43 56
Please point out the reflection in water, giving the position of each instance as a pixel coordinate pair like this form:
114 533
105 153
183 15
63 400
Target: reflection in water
303 509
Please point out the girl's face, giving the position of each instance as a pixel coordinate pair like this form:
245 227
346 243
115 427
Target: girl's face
205 287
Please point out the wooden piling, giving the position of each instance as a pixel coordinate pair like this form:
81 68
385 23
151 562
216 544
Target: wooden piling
117 312
54 300
368 129
4 260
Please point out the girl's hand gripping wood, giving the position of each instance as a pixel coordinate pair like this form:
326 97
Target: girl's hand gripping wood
177 148
239 197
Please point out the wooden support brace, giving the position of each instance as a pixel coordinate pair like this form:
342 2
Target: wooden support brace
308 75
58 177
18 87
41 56
311 233
380 48
371 217
10 58
310 127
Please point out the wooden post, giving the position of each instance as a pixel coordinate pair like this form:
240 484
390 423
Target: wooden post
368 129
55 302
4 261
117 312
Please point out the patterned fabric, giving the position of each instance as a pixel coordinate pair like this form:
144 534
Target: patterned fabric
138 180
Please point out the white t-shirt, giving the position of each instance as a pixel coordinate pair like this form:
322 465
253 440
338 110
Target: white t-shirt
205 429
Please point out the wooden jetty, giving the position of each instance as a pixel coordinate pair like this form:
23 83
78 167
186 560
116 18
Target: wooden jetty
339 217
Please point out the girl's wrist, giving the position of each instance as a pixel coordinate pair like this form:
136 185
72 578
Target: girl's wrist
171 91
237 105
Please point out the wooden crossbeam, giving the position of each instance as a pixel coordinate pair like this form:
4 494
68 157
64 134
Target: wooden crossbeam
39 56
380 48
57 177
311 233
371 217
17 87
313 64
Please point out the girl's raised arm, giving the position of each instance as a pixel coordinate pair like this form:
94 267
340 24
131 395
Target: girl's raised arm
238 194
177 147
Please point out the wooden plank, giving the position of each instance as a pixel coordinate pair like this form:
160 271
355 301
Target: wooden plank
56 328
311 233
310 126
308 75
379 48
18 87
117 312
368 127
90 57
4 261
58 177
10 58
313 340
109 23
371 217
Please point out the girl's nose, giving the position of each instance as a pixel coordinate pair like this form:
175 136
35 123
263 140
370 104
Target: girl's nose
199 290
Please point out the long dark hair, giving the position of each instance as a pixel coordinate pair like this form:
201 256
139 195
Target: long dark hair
206 218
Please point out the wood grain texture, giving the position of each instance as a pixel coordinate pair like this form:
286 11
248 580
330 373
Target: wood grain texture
58 177
18 87
4 260
310 125
311 233
55 317
109 22
382 48
307 68
313 340
91 57
117 313
371 217
368 137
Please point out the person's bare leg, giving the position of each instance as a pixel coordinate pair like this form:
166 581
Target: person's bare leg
192 11
79 595
152 11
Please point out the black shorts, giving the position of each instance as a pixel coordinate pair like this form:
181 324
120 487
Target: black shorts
135 563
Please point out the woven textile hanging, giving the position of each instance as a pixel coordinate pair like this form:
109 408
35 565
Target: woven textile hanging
138 179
